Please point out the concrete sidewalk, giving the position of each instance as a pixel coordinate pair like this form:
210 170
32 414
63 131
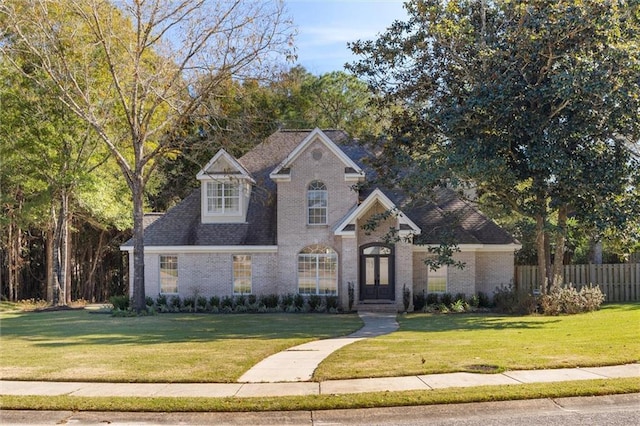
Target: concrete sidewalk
240 390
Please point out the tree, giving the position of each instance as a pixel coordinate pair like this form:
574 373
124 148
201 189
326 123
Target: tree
136 72
535 102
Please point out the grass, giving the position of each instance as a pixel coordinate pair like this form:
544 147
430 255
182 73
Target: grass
76 345
79 346
436 343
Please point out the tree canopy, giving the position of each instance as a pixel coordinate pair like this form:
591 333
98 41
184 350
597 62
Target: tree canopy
535 103
136 70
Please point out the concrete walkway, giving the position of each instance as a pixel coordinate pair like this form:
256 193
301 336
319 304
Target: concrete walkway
298 363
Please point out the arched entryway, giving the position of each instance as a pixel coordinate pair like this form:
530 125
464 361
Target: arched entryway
377 277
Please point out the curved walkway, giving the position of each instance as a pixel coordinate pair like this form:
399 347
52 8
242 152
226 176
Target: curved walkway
298 363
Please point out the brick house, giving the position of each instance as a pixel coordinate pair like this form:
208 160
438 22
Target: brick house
288 217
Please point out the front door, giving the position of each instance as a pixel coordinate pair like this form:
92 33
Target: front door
376 272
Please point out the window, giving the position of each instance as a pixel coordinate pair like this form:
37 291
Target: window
168 274
317 203
241 274
437 280
223 197
318 271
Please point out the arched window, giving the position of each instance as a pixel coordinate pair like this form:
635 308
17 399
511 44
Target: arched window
317 203
318 270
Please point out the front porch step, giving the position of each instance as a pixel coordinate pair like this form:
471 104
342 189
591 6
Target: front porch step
377 306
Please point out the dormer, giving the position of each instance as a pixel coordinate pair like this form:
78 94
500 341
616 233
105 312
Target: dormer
352 172
225 190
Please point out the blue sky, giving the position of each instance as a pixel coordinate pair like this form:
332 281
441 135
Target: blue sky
325 27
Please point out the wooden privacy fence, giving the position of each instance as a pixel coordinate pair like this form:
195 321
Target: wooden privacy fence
620 282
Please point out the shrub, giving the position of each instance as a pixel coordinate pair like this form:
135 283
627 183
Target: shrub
406 297
432 299
592 297
161 300
508 301
484 301
120 303
189 304
419 301
148 301
201 303
459 306
460 296
474 301
351 293
298 301
226 303
332 303
567 300
287 300
175 303
314 302
241 300
214 302
446 299
270 301
252 299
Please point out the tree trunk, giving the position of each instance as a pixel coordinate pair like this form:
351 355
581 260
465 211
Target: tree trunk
542 258
61 252
50 274
138 246
558 275
67 256
89 283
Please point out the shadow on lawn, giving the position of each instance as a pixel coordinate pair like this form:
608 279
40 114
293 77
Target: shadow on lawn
70 328
469 322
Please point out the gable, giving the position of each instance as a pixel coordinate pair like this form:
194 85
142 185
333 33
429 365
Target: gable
223 165
347 226
352 172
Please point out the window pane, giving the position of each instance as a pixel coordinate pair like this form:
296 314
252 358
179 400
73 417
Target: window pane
168 274
223 197
242 274
437 280
317 271
317 203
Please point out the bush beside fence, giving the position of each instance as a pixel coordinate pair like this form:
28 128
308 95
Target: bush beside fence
619 282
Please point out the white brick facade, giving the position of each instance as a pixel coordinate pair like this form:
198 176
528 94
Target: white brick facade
207 270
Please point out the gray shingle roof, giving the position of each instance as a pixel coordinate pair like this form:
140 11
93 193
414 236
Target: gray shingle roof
182 226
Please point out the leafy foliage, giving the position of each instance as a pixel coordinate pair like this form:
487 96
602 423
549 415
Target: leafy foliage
534 103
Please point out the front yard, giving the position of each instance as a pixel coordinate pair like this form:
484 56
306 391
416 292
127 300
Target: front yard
79 346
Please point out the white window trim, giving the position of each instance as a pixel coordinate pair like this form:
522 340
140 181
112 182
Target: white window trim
224 212
160 274
233 270
326 207
317 271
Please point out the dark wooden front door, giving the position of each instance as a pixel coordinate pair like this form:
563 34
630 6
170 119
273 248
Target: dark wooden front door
376 272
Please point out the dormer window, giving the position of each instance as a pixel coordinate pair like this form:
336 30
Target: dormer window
225 190
223 198
317 203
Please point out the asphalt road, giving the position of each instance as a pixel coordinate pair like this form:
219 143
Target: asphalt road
608 410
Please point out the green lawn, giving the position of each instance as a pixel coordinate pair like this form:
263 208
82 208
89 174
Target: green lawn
81 346
78 345
432 343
